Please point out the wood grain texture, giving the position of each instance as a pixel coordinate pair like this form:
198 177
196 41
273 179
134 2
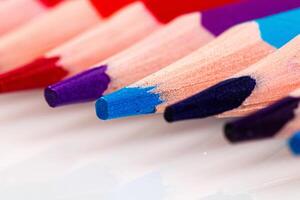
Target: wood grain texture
276 76
208 65
155 52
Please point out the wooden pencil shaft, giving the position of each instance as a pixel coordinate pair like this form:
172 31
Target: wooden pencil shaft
276 75
23 11
65 21
96 44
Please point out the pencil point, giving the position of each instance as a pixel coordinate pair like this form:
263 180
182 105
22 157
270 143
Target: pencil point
169 113
127 102
232 133
217 99
264 123
86 86
102 109
37 74
294 143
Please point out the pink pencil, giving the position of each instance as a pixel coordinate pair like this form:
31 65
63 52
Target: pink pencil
23 11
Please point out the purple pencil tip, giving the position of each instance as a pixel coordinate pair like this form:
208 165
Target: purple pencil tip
84 87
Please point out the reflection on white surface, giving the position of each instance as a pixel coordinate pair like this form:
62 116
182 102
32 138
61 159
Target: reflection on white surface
148 187
67 153
224 196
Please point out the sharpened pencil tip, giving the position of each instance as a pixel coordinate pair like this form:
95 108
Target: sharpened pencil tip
102 109
217 99
129 101
51 96
294 143
37 74
231 134
169 113
84 87
262 124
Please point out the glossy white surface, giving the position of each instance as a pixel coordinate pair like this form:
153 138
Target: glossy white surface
67 153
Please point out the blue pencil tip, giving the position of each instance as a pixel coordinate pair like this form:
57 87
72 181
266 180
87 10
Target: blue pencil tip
217 99
127 102
294 143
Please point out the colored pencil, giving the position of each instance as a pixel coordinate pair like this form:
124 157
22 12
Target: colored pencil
245 92
65 21
172 42
23 11
294 143
203 68
291 62
280 119
83 51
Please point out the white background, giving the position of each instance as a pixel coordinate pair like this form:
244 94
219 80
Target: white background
67 153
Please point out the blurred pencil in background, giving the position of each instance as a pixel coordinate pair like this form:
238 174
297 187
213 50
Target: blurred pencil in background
14 13
280 119
60 24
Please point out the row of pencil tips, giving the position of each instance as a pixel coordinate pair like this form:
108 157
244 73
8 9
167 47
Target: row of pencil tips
188 59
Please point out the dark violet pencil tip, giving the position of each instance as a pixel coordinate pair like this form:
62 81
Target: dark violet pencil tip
37 74
224 96
264 123
84 87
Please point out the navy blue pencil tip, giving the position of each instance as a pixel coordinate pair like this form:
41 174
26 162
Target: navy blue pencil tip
168 114
217 99
231 134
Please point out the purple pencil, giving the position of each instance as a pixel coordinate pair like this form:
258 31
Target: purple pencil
281 119
176 40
